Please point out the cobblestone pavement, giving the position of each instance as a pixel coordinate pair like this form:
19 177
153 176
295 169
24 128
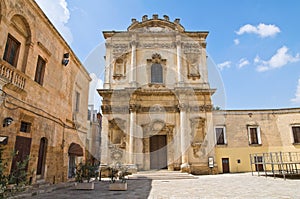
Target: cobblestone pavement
161 185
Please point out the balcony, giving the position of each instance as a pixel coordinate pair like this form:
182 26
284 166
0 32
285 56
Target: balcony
11 75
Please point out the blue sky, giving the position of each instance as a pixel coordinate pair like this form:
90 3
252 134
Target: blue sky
254 44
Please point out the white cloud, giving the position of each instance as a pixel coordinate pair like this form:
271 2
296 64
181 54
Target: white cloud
296 100
58 13
280 59
223 65
262 30
243 62
236 41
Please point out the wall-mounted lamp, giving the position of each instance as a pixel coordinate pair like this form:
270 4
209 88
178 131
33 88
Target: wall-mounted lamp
7 121
3 140
65 60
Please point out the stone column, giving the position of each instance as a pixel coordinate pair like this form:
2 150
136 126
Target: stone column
133 68
132 133
178 51
184 138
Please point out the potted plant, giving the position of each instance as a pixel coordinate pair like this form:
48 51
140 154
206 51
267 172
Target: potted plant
84 175
118 173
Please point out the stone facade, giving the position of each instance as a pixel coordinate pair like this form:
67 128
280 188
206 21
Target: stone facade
157 108
45 98
274 135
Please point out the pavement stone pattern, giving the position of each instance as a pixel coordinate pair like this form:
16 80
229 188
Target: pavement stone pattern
172 185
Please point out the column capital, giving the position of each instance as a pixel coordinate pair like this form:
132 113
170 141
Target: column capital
134 107
183 107
133 43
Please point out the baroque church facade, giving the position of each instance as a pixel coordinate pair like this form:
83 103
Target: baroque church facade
157 107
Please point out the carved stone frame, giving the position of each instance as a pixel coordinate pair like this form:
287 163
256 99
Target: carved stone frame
120 61
119 125
198 134
151 129
156 59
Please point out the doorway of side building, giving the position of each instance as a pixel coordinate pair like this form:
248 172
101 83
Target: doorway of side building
259 166
225 165
158 152
75 150
40 171
22 151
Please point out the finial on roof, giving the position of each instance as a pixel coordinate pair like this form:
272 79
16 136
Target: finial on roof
145 18
166 17
177 21
133 20
155 16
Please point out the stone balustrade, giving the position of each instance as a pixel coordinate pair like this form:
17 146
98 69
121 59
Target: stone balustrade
12 75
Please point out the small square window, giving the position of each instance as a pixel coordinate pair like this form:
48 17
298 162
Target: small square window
25 127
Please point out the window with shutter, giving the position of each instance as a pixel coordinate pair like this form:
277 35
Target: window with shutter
11 52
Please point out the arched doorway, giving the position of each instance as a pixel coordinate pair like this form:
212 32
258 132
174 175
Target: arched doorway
40 171
75 150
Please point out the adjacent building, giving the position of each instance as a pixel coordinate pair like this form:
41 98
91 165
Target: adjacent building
44 94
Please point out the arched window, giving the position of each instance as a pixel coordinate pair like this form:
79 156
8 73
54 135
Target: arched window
156 73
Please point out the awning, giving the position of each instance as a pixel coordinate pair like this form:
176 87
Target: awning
75 149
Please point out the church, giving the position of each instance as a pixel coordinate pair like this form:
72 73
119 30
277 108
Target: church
158 111
157 104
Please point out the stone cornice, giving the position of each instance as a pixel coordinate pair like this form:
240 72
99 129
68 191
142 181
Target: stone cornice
108 109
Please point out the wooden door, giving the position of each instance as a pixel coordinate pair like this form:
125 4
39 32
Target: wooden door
22 150
42 158
158 152
225 165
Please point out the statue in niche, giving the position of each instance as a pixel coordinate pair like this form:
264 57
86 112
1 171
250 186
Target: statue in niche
116 134
193 61
119 67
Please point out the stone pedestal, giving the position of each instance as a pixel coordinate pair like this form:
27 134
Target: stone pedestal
185 168
85 186
118 186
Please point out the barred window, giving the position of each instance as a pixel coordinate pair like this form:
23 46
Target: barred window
25 127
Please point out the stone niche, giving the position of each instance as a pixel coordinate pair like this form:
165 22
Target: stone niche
198 136
116 134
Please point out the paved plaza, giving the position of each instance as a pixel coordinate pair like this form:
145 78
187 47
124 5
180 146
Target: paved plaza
163 184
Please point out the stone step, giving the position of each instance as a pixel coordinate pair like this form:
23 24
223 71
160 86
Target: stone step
161 175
